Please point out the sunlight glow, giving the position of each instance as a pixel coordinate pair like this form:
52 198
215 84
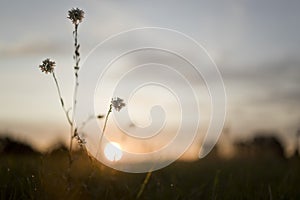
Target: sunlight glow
113 151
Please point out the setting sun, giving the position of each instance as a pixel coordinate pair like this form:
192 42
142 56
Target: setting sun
113 151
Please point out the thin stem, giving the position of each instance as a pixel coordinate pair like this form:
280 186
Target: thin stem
146 180
65 111
76 69
73 129
61 99
105 123
104 127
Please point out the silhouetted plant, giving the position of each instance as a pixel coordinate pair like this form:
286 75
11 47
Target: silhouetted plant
116 103
76 16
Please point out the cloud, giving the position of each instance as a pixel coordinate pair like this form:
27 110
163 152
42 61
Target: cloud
31 48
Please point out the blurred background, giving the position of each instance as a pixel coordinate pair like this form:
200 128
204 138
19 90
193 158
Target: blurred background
255 45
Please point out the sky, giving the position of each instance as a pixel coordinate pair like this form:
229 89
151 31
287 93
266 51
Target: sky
255 45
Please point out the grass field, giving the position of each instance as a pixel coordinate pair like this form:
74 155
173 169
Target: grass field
37 176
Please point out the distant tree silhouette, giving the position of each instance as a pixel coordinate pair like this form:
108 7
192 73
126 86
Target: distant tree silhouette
261 146
10 146
268 145
297 145
58 148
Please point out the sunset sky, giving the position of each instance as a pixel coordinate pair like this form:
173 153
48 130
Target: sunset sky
255 44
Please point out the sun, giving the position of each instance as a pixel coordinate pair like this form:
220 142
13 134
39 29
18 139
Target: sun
113 151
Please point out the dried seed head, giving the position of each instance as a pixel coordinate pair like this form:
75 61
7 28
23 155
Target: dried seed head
47 66
118 103
76 15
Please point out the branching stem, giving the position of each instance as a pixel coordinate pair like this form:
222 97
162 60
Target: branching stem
76 69
61 99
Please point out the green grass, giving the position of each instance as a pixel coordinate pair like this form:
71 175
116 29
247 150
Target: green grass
34 176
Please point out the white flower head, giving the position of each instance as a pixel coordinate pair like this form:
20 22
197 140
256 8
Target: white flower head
117 103
76 15
47 66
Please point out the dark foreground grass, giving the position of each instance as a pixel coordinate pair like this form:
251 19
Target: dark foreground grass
35 176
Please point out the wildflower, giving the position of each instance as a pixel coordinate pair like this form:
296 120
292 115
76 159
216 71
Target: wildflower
118 103
76 15
47 66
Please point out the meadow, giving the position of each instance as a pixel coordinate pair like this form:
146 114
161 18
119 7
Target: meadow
260 74
27 174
